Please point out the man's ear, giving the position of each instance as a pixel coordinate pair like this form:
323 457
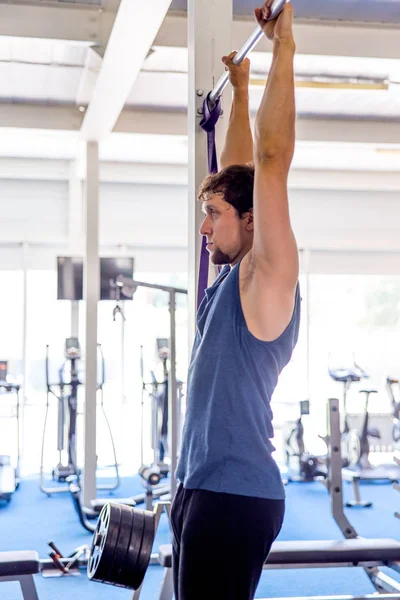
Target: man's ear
249 220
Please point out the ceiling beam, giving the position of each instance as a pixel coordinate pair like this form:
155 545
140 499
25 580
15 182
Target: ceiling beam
86 23
93 24
332 38
135 27
160 122
40 116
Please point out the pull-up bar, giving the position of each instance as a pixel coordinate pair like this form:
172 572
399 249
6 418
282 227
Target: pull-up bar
247 47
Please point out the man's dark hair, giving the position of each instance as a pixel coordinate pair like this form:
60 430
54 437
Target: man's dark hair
234 183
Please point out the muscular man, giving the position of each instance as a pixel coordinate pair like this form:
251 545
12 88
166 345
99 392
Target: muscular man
229 505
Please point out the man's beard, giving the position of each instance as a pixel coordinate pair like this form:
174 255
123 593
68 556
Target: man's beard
219 258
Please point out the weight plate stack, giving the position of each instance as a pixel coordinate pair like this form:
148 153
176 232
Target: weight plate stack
121 546
146 548
135 544
116 575
104 542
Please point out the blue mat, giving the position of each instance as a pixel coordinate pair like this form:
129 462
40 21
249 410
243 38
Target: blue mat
32 519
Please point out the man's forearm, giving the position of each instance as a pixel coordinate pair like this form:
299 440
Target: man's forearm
275 122
238 148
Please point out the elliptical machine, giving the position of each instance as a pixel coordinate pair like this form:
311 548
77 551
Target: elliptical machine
66 393
159 469
9 474
301 465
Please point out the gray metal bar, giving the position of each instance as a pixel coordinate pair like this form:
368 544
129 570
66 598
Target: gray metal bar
129 286
247 47
91 290
383 582
335 470
75 318
167 586
172 395
27 584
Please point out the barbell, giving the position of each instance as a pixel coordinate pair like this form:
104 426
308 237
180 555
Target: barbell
122 543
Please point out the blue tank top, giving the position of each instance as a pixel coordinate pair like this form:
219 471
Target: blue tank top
226 439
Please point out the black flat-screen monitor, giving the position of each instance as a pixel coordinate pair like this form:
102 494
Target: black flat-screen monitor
70 277
110 268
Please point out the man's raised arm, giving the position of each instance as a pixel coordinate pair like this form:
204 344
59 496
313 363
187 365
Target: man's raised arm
238 148
274 243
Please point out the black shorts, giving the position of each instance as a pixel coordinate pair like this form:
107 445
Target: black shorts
220 543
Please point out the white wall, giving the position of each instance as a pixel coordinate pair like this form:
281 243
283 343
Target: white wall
347 230
343 219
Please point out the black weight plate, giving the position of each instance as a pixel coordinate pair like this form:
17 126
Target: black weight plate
145 550
122 546
96 568
130 565
104 540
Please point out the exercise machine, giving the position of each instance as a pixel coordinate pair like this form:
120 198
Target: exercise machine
152 475
9 472
65 390
355 443
390 383
301 465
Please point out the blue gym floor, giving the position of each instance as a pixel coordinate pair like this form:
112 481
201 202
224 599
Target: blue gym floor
32 519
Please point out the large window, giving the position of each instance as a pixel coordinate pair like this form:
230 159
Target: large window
11 350
353 317
48 323
12 313
127 346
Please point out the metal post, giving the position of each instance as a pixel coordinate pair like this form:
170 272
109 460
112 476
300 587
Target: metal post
75 318
91 279
172 395
209 38
129 287
335 470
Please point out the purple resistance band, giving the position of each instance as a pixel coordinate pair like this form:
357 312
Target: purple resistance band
208 122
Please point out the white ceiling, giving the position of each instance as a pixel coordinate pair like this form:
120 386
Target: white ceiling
48 72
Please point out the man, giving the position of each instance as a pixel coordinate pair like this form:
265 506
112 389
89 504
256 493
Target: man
229 505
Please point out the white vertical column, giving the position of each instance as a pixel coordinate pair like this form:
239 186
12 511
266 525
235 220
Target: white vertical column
209 38
91 286
173 394
75 231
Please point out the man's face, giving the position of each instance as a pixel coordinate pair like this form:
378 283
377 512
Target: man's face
223 229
